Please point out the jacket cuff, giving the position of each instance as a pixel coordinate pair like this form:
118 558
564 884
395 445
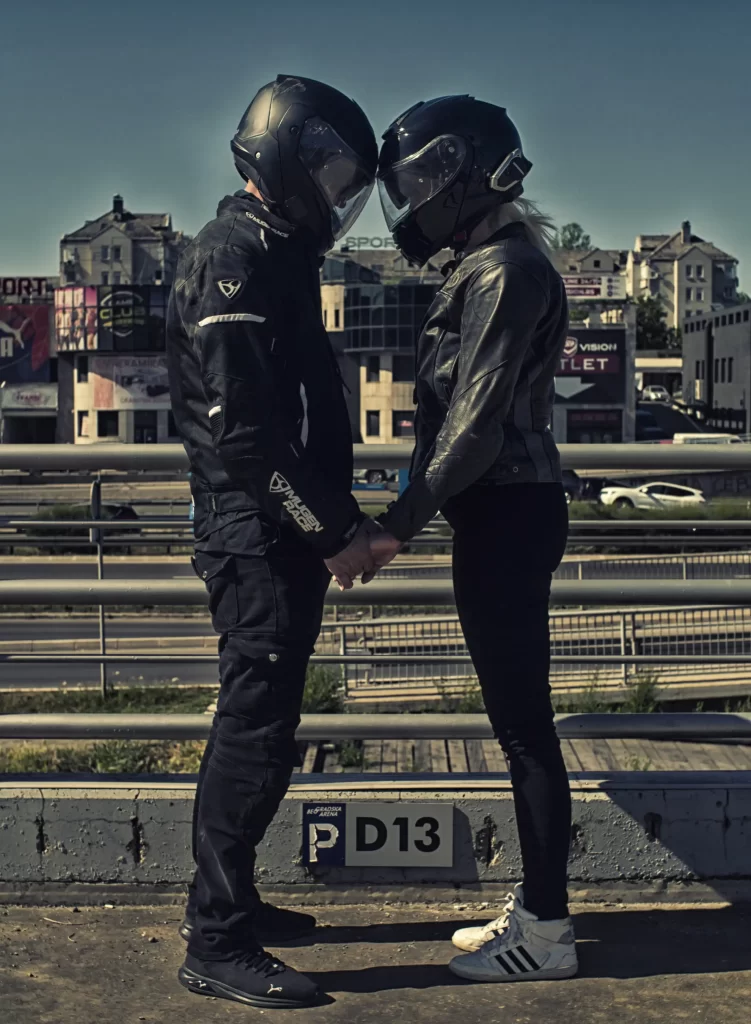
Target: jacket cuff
346 537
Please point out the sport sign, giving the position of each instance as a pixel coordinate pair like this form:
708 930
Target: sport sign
387 835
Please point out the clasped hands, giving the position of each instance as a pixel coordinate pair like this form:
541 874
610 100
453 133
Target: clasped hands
370 549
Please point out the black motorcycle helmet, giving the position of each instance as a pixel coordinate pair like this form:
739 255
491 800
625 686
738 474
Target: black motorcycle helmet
311 153
444 165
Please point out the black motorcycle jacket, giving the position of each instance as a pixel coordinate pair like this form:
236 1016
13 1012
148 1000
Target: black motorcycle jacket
256 392
487 354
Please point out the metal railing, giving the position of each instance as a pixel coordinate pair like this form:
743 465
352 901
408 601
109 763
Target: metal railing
725 594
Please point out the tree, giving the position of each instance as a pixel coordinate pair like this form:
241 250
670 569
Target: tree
652 331
572 236
743 297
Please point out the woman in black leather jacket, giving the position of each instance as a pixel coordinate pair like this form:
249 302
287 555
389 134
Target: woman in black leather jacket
450 175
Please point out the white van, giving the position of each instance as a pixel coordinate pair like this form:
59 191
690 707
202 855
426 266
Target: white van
706 439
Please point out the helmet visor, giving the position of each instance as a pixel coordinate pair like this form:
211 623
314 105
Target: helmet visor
340 174
408 184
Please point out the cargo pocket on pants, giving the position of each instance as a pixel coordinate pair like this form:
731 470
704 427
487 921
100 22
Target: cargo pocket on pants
219 573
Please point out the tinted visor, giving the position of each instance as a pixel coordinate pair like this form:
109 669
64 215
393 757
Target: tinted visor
340 174
409 183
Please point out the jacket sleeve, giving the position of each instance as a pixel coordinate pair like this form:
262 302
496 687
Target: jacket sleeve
234 339
503 305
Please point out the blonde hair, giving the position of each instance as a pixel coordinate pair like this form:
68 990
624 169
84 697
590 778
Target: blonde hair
539 228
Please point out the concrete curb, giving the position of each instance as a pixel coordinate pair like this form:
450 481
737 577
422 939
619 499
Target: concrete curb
643 832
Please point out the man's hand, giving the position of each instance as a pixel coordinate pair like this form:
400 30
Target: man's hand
384 547
356 558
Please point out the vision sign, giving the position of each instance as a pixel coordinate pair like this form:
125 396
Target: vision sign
592 368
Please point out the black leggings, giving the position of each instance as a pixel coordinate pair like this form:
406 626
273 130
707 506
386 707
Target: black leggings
508 541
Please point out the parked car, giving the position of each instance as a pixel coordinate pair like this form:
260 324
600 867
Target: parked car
656 496
374 476
572 485
647 427
655 393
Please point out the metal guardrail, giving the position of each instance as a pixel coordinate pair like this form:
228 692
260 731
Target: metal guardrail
706 725
380 592
166 457
146 458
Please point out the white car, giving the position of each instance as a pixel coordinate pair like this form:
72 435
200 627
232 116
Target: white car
652 496
655 393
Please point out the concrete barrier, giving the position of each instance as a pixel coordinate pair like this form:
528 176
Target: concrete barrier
639 830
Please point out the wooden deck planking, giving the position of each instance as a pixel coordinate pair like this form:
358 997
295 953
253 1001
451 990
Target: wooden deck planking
309 759
457 756
388 761
475 756
495 759
372 756
405 760
422 756
439 757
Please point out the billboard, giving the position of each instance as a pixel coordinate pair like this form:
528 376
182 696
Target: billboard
111 318
25 289
129 382
24 344
595 286
592 369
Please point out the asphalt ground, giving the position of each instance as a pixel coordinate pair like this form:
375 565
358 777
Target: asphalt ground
380 965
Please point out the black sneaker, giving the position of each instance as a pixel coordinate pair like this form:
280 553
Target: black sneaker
272 925
255 978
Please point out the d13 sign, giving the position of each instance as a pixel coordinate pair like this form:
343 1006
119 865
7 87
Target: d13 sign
379 834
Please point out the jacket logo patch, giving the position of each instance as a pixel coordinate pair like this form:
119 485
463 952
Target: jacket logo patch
230 288
299 512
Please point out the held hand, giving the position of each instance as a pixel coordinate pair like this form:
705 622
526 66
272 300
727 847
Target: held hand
356 558
384 547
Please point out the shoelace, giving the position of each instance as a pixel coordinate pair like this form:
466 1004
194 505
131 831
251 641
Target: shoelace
262 963
500 925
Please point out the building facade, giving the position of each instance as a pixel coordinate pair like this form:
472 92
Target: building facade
110 314
121 247
717 368
690 276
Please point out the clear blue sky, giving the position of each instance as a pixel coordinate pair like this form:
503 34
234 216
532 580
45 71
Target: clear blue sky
636 115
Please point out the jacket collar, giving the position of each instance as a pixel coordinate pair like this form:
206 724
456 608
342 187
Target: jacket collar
243 203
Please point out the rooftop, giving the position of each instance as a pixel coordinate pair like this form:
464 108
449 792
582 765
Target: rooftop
135 225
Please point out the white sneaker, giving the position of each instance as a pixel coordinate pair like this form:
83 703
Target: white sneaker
517 947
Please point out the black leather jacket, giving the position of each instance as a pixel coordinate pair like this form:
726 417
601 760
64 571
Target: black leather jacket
487 354
256 392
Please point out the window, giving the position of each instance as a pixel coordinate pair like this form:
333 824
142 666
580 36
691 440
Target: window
337 317
728 292
107 423
745 316
403 369
716 370
730 370
723 366
116 277
373 423
689 294
572 266
596 264
723 321
144 426
700 295
83 423
105 277
737 318
82 368
700 272
698 370
105 253
171 426
403 423
116 253
373 371
325 317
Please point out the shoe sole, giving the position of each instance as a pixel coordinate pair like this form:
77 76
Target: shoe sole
202 986
557 974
